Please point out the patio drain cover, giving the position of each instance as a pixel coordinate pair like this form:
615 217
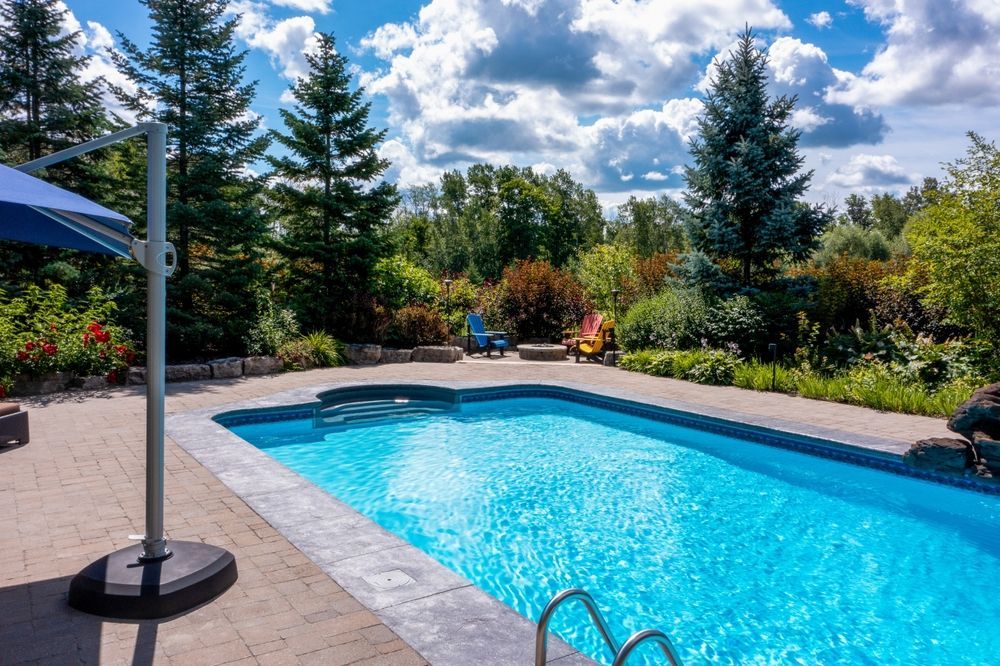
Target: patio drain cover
388 580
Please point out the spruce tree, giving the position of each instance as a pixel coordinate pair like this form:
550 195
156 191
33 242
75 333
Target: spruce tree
191 78
332 211
745 186
45 106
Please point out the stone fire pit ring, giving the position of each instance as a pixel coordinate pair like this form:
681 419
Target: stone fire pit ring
542 352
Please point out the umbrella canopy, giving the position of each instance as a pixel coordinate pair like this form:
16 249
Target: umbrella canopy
33 211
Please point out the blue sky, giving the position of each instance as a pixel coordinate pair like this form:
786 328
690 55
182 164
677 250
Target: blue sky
610 89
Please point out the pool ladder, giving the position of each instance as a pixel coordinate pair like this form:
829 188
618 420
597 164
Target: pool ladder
621 652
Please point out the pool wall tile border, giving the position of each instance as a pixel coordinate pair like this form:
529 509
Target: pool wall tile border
441 614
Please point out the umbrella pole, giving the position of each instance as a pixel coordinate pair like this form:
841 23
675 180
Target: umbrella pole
149 580
154 546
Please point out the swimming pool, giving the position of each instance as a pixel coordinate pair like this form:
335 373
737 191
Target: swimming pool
741 552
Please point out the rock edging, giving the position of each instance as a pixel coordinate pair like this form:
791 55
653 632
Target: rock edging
977 420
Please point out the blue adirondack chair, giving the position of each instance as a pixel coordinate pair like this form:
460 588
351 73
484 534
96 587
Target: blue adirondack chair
488 340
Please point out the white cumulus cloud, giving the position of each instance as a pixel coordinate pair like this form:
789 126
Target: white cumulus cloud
935 53
285 42
820 20
871 172
311 6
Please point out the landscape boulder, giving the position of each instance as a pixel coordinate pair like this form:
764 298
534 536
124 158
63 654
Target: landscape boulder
225 368
942 454
262 365
136 375
980 413
93 383
362 354
442 354
396 356
988 449
188 372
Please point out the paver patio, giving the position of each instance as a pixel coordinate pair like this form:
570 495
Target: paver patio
76 493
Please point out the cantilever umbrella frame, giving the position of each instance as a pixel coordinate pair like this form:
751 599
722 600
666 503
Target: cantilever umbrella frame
153 579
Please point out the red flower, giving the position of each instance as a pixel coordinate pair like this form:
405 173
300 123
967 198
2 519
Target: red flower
130 358
102 337
29 345
121 349
50 349
86 339
94 327
22 356
112 377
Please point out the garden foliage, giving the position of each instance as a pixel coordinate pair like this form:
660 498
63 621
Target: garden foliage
534 300
43 331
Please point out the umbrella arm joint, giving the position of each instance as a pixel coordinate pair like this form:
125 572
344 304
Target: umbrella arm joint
157 256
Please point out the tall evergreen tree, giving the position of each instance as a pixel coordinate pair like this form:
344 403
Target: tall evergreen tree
745 185
332 212
45 106
191 77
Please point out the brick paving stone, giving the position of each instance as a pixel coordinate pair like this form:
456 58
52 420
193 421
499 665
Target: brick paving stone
75 492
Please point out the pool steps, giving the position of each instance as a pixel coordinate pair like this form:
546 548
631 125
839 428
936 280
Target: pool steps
361 411
621 652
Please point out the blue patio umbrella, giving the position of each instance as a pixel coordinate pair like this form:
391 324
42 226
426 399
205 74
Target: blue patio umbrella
150 580
33 211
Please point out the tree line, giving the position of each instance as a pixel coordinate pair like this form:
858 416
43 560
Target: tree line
299 217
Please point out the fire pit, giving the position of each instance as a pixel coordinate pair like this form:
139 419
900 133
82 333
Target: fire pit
542 352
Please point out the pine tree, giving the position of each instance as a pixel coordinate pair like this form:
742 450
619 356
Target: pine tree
44 105
745 185
191 78
332 213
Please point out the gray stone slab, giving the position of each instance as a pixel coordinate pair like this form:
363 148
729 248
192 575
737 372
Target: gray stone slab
466 626
250 480
340 538
360 576
307 504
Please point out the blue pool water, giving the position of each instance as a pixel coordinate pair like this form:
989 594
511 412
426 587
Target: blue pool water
742 553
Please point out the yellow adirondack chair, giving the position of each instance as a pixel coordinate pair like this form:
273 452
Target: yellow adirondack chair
594 347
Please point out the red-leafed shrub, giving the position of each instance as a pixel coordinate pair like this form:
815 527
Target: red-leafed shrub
534 300
416 325
651 272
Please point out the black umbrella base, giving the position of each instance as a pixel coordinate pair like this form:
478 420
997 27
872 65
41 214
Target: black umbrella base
120 586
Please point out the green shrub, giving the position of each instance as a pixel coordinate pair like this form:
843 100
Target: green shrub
713 367
462 300
756 376
416 325
274 327
313 350
534 300
397 282
736 321
705 366
673 319
854 242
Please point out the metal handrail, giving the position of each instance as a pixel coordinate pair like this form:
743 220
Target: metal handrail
542 633
644 636
621 653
